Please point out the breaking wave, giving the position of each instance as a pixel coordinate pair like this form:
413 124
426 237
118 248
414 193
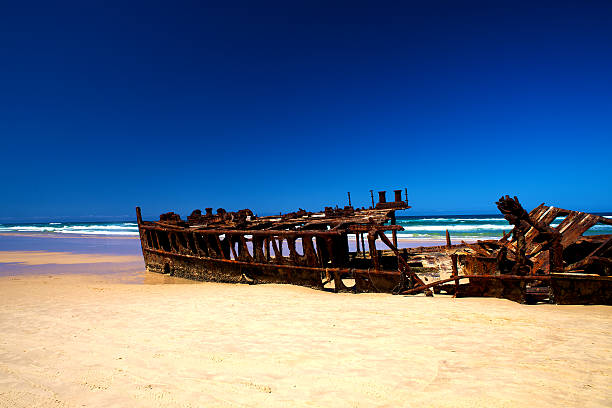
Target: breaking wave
123 228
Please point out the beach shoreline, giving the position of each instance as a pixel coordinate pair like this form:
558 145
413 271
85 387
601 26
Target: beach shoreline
82 340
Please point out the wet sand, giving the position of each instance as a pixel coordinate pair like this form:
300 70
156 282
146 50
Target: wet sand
95 339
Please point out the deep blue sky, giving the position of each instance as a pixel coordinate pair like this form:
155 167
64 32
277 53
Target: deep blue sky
183 105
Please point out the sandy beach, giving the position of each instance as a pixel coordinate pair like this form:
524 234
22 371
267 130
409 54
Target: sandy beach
119 339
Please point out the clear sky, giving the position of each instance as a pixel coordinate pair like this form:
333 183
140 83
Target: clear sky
274 106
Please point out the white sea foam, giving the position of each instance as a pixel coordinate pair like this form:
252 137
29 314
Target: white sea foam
60 228
452 219
464 227
98 227
90 232
425 236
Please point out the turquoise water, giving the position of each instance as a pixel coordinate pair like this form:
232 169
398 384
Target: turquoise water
470 226
427 227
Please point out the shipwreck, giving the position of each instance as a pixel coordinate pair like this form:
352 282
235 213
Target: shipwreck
356 250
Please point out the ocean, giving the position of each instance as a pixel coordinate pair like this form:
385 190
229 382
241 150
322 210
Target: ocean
417 227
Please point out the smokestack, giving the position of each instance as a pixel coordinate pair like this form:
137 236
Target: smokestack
208 211
398 195
382 197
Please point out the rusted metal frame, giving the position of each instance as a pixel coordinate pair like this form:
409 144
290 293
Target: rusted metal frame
593 256
362 244
179 240
357 243
231 240
155 237
220 246
212 245
164 236
150 239
539 215
187 247
548 216
267 249
180 247
193 242
203 251
167 240
569 220
505 237
146 243
581 223
393 222
173 244
293 255
568 231
309 251
586 262
258 251
182 237
538 263
372 247
435 248
501 277
210 251
281 233
145 239
179 243
401 260
141 234
321 224
476 249
364 272
196 245
322 253
329 244
162 226
602 248
243 249
537 211
278 253
248 232
455 271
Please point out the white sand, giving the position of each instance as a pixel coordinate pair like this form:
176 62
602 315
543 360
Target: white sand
63 258
73 341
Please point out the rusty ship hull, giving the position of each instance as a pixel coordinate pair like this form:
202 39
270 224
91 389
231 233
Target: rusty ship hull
534 262
301 248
